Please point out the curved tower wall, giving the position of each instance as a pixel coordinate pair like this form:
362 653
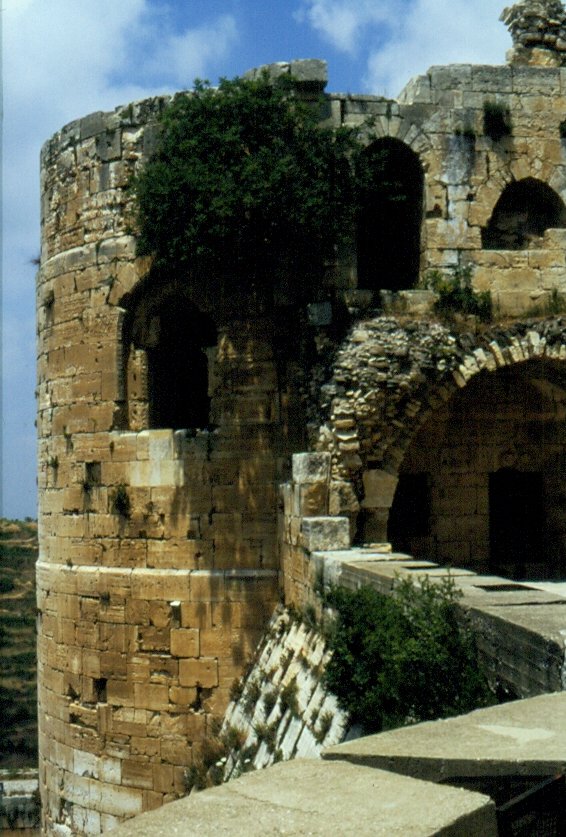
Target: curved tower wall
158 565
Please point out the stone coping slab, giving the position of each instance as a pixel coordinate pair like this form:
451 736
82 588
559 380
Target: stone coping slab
311 797
520 738
547 620
382 570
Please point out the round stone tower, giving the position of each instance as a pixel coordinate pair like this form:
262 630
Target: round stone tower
163 426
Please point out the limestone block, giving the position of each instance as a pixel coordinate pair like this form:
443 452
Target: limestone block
379 489
154 639
206 586
325 533
197 614
450 77
418 89
185 642
119 692
311 467
137 775
312 499
199 672
121 801
153 696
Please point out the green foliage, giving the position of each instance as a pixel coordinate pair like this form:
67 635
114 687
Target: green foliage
402 658
324 724
208 769
6 585
288 697
269 701
456 295
242 170
253 694
267 734
496 120
236 689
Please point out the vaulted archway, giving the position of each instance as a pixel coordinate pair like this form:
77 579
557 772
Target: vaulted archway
525 209
491 462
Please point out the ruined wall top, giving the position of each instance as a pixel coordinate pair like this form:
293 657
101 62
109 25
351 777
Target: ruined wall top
538 29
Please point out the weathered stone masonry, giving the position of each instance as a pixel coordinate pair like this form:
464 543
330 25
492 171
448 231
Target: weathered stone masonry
159 562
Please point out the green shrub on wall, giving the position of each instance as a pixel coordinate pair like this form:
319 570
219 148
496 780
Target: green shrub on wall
402 658
241 171
457 296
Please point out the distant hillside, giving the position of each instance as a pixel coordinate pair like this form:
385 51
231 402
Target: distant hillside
18 689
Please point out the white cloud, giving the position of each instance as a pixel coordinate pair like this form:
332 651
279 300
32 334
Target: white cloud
187 56
342 22
401 38
437 32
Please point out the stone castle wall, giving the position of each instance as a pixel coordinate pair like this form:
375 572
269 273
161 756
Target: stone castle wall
159 560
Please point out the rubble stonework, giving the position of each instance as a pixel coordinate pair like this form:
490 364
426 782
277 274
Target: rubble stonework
539 32
160 561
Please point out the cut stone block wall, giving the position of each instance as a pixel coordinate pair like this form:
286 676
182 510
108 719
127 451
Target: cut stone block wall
159 564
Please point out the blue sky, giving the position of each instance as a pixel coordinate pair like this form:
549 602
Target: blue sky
63 59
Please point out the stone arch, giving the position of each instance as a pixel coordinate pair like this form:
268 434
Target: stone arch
392 385
168 348
388 230
524 210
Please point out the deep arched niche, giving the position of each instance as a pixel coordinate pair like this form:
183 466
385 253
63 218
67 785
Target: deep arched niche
525 209
168 342
482 483
388 235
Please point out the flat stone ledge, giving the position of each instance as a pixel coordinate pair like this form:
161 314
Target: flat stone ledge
308 797
521 738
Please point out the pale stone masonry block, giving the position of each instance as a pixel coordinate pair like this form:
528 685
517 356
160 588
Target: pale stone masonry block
379 489
199 672
325 533
185 642
311 467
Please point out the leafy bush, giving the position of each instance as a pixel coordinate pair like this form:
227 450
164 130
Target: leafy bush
242 170
456 295
6 585
402 658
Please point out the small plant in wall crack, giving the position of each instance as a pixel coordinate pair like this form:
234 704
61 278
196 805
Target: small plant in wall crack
457 296
267 734
288 698
209 768
324 724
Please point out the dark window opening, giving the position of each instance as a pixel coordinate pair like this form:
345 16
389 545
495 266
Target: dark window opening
516 517
176 338
390 217
524 211
409 516
100 689
178 368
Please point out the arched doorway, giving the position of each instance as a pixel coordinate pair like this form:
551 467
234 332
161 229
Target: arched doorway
390 216
524 211
484 477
